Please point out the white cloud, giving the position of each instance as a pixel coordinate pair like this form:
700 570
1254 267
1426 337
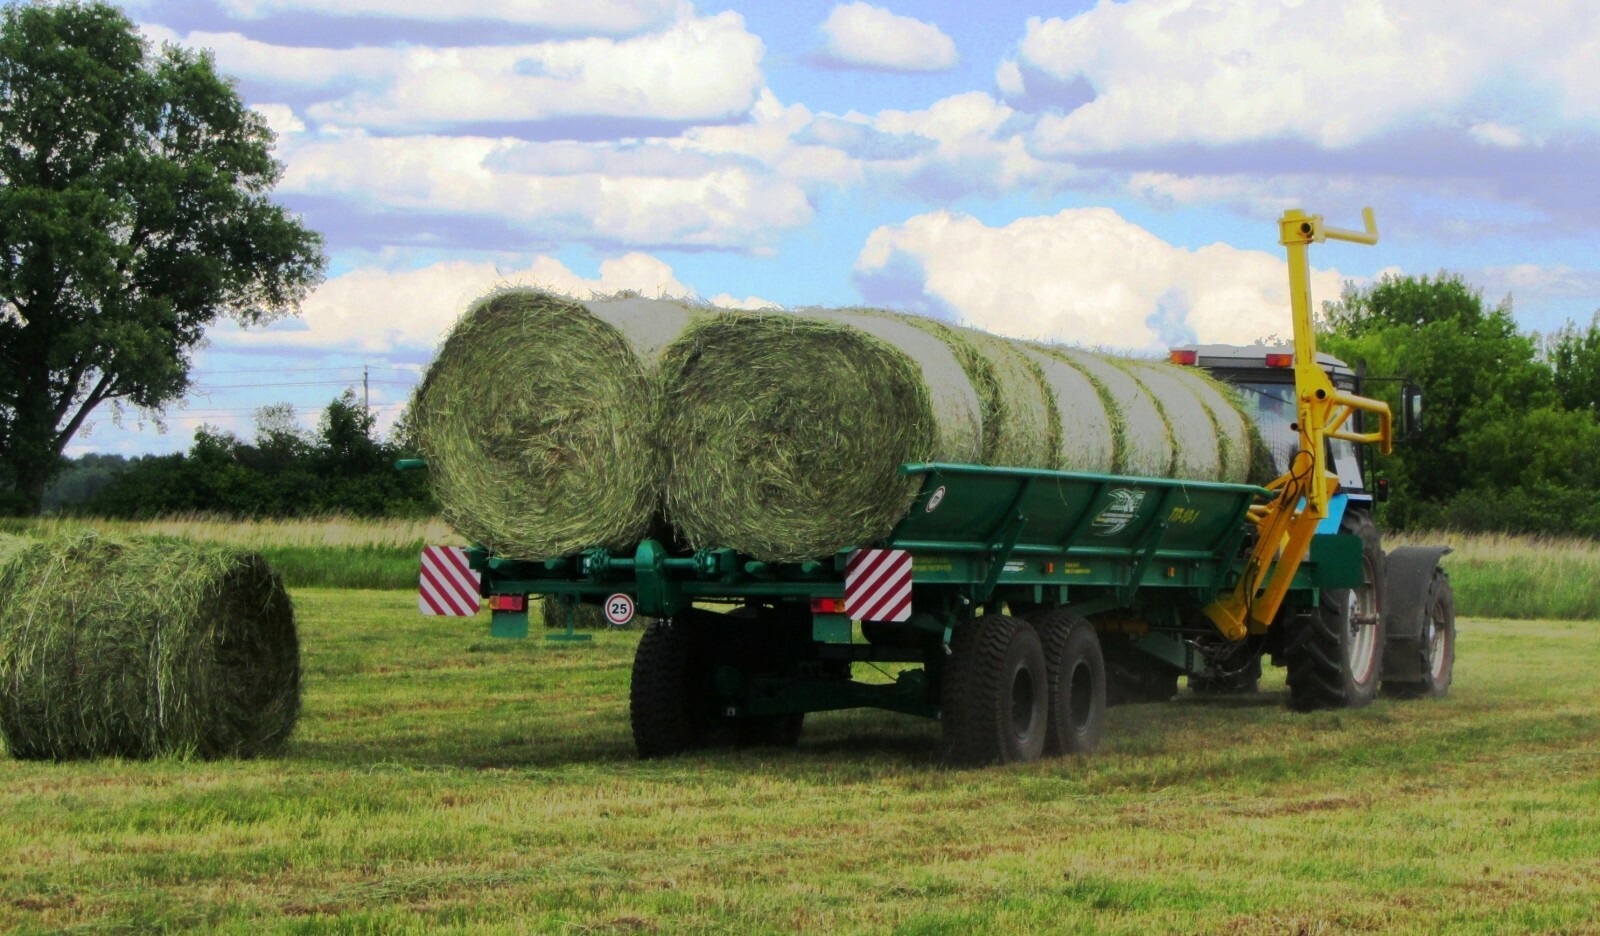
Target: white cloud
1171 72
696 69
715 205
753 303
606 16
1087 276
863 35
280 117
378 310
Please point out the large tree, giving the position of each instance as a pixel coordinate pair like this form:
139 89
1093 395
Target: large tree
135 211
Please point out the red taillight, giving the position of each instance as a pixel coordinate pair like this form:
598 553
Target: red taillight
508 602
1182 356
827 606
1280 360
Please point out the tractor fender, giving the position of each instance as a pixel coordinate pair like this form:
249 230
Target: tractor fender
1408 592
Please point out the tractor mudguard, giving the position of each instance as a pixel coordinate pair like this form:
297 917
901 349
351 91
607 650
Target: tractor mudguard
1408 594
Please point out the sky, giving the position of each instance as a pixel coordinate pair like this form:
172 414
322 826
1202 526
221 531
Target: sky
1105 174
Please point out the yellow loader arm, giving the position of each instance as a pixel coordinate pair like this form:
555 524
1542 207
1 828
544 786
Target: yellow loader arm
1286 523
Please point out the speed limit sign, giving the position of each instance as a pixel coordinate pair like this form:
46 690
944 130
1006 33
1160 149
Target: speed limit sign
619 609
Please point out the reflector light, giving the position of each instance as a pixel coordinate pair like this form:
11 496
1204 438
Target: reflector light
1183 357
827 606
508 603
1280 360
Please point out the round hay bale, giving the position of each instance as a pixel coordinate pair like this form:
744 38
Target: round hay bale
1236 433
1145 443
1019 423
1088 439
1196 452
538 419
144 648
957 410
584 616
787 434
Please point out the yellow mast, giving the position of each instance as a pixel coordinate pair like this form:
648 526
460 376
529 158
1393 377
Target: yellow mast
1286 523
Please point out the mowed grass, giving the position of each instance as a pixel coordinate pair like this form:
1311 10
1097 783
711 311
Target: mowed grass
442 781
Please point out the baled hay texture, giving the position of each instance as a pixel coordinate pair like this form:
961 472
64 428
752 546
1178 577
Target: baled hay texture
144 648
1197 456
787 434
1235 430
538 420
1018 429
957 411
1088 440
1146 448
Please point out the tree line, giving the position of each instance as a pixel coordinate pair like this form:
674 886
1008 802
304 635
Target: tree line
343 467
1510 437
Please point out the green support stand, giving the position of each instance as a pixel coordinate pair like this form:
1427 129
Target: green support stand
570 635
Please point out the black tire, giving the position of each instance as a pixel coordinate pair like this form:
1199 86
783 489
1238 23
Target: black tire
994 693
1438 646
1077 671
1334 652
672 695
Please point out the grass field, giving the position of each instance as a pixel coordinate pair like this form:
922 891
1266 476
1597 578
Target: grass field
444 782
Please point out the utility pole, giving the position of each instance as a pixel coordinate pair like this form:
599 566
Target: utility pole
366 396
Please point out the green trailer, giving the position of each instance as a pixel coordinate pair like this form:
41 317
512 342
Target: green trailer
1016 604
1021 597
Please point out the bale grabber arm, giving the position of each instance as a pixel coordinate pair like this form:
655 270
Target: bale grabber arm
1286 523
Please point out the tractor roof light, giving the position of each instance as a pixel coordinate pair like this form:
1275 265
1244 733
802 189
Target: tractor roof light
1187 356
1280 360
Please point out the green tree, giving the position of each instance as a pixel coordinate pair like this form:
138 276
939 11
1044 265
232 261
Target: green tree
1575 361
135 211
1469 359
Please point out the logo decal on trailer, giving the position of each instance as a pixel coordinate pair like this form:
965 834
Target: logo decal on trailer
448 586
1119 513
877 585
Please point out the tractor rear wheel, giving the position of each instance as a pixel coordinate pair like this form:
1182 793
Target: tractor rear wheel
994 693
1334 652
1077 671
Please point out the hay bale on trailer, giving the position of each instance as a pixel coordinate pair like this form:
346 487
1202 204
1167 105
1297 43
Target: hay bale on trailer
538 420
144 648
786 431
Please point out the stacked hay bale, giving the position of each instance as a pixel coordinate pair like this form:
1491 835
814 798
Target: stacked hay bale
144 648
553 425
788 430
538 420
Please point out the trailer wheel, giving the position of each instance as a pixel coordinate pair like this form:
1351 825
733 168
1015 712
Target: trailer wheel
1438 646
671 698
994 693
1335 651
1077 671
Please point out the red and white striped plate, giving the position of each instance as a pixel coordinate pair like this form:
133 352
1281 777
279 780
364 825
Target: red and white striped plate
448 587
877 585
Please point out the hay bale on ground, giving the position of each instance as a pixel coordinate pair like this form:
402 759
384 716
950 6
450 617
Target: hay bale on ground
144 648
553 611
538 419
787 433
